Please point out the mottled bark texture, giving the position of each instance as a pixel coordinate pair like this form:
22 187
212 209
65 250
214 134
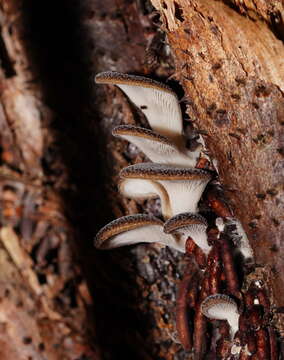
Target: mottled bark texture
59 173
229 60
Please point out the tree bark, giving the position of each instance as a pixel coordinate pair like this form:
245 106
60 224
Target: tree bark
229 60
59 163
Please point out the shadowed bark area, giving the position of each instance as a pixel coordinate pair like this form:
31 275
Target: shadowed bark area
59 174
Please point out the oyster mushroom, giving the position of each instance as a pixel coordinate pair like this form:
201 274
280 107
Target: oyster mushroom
134 229
141 189
183 185
189 225
157 101
156 147
222 307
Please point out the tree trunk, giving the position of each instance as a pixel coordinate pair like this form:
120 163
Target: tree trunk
229 60
61 299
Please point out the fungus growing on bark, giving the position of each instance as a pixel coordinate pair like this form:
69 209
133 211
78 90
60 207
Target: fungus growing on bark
156 100
141 189
183 185
222 307
156 147
134 229
189 225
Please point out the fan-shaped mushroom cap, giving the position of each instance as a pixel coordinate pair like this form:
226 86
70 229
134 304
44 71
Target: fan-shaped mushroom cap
222 307
183 185
157 101
158 148
134 229
189 225
140 189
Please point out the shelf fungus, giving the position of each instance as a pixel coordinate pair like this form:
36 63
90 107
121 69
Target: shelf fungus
156 147
184 186
222 307
156 100
134 229
189 225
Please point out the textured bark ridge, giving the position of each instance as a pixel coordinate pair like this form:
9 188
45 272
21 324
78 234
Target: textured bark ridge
229 60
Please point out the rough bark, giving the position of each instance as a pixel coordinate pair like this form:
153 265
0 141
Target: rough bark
59 163
229 60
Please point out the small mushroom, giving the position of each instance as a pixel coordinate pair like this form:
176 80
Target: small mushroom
189 225
156 147
183 185
141 189
134 229
157 101
222 307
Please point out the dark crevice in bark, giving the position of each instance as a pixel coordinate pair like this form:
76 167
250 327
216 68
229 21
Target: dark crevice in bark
60 54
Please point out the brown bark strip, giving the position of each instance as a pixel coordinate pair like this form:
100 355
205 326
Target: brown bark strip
188 285
214 269
262 343
232 281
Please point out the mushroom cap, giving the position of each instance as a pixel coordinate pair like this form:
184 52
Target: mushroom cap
222 307
183 220
140 189
123 224
162 172
183 185
156 100
116 78
218 306
134 229
158 148
189 225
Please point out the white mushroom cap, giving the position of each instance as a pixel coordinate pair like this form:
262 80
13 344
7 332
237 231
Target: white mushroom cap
134 229
140 189
158 148
183 185
222 307
157 101
189 225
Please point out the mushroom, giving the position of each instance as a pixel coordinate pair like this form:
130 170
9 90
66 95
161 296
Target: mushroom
134 229
157 101
156 147
183 185
141 189
189 225
222 307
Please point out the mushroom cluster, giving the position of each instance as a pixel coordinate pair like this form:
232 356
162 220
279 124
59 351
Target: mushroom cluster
178 177
171 175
